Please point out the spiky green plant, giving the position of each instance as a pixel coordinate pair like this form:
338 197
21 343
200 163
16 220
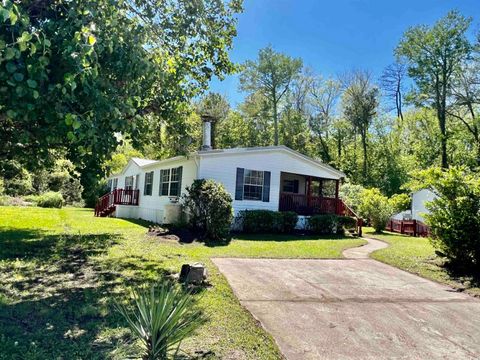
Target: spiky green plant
161 316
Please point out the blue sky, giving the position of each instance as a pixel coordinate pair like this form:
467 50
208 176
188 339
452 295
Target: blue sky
332 36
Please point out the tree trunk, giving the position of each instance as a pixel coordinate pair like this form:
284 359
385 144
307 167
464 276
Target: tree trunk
275 122
443 138
365 157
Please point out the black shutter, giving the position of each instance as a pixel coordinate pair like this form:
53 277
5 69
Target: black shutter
239 184
295 186
180 171
266 186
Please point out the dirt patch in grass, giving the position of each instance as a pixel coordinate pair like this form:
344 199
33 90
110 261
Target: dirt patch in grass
181 235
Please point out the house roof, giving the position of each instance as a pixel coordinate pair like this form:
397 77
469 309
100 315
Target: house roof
143 162
235 151
268 149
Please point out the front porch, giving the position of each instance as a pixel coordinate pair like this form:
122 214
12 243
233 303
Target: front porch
309 195
107 203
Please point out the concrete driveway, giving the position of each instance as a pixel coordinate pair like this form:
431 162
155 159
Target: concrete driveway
354 309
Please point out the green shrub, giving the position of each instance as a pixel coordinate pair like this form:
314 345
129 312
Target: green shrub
268 221
454 217
351 194
400 202
323 224
376 207
290 219
346 223
161 317
210 210
2 187
50 200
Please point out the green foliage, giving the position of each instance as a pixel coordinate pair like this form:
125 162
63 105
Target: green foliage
50 199
270 75
17 180
376 207
400 202
210 210
351 194
433 55
323 224
161 317
326 224
454 217
347 222
2 186
268 221
73 77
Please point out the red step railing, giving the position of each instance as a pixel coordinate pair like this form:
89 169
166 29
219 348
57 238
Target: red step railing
106 204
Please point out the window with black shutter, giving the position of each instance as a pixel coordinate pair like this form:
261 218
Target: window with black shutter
147 189
252 185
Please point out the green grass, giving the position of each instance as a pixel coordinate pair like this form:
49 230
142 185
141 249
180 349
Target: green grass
60 269
417 255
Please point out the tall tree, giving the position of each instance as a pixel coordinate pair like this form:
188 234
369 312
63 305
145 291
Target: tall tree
465 101
392 82
324 94
433 54
271 76
360 102
74 74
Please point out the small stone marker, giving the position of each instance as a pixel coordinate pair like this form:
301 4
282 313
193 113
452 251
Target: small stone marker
193 274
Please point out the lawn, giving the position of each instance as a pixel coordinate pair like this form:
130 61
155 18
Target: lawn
417 255
60 269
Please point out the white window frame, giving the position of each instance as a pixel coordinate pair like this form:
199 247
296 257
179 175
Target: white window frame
248 175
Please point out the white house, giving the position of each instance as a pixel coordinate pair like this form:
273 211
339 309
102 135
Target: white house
418 209
273 178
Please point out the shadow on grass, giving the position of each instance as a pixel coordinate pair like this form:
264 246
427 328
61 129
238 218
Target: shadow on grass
467 276
56 294
287 237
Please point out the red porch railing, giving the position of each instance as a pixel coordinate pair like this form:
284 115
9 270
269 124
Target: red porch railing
309 205
408 227
106 204
312 205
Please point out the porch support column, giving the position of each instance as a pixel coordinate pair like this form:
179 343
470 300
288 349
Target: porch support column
337 187
309 190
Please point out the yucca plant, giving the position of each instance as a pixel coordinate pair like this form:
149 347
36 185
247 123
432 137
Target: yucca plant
161 316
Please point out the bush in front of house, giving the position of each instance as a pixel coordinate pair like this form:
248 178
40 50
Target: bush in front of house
323 224
346 223
454 217
326 224
268 221
50 199
209 208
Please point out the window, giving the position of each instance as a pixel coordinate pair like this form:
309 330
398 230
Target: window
290 186
147 189
109 184
164 181
253 185
171 182
175 182
129 183
115 183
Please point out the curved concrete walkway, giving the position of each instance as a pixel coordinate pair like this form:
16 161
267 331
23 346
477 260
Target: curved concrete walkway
363 252
355 308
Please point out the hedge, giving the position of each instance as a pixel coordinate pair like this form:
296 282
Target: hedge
267 221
